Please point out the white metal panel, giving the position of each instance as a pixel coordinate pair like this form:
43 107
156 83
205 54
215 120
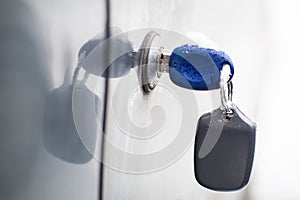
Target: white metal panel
231 24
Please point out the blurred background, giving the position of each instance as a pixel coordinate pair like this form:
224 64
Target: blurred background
42 155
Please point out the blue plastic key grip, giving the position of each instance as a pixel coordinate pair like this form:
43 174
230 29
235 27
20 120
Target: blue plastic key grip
198 68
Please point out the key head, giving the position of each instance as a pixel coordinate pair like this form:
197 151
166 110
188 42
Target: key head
197 68
224 150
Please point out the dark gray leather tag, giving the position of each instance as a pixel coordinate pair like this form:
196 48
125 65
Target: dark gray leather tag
224 150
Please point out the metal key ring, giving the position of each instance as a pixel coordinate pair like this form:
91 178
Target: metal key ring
226 90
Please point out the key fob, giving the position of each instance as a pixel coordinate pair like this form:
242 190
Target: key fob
224 150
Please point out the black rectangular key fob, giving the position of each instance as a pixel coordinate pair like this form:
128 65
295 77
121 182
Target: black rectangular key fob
224 150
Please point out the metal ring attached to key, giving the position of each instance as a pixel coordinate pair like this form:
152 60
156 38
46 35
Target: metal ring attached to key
226 90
